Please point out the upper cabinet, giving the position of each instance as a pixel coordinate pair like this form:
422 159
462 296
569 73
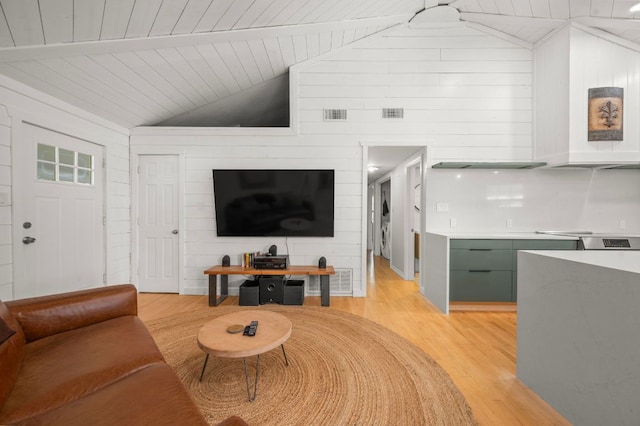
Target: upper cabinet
567 65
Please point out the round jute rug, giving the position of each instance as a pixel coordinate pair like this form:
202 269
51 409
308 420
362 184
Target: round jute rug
343 370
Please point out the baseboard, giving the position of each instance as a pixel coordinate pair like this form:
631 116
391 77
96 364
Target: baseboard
484 306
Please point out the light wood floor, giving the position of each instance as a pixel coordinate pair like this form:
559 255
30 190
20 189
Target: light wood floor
477 349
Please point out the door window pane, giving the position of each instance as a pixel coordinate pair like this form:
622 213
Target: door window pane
46 152
85 160
66 174
62 165
46 171
84 177
66 156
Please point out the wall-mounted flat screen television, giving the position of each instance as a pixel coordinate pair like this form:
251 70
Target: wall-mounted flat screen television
290 203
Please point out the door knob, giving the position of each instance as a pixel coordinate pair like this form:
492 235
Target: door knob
28 240
175 231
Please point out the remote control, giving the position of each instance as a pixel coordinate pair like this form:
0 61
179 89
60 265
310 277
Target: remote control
252 328
246 330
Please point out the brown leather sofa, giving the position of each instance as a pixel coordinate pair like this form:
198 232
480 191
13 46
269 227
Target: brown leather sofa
86 358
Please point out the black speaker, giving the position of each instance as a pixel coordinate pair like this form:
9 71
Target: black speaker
293 292
322 263
226 260
271 289
249 293
273 250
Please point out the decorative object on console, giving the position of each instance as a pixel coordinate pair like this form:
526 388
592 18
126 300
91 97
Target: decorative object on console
273 250
322 263
605 113
226 260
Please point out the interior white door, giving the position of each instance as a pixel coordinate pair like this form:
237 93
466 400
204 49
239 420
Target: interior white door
59 208
158 224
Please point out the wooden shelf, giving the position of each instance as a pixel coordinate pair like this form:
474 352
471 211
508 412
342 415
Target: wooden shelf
225 271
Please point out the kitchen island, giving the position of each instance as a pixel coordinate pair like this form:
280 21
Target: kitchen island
479 267
579 333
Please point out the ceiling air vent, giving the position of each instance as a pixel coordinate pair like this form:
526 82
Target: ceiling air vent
392 112
335 114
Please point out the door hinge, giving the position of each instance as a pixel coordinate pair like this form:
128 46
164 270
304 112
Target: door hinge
104 163
104 220
104 278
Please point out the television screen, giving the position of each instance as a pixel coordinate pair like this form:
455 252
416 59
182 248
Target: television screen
252 203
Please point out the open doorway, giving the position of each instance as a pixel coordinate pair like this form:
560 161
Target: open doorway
393 212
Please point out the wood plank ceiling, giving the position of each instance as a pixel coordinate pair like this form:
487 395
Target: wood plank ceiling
141 62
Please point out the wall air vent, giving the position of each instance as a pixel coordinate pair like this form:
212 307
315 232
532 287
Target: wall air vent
392 112
335 114
340 283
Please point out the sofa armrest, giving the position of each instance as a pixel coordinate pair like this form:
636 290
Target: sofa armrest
48 315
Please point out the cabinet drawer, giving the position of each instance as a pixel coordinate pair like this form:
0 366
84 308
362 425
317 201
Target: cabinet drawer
545 244
480 258
480 244
469 286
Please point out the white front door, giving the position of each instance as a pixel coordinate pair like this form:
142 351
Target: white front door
158 222
59 214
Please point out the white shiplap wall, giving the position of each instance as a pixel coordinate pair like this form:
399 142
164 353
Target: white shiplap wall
20 104
468 92
567 66
6 257
207 149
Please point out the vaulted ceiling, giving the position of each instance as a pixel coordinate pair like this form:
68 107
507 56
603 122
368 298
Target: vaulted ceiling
143 62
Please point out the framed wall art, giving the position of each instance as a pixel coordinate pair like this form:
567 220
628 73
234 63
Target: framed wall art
605 113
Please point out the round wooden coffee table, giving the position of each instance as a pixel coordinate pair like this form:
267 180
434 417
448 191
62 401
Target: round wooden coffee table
273 330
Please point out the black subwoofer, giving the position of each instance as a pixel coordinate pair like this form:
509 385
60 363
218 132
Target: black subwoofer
271 289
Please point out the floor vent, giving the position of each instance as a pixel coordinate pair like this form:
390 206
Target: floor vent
339 284
392 112
335 114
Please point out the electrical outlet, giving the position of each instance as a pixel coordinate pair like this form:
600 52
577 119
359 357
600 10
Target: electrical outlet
509 223
623 224
442 207
452 222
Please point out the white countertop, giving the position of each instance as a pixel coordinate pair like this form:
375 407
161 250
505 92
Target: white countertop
624 260
501 236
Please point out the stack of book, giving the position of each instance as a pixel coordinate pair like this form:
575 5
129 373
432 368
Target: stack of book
247 259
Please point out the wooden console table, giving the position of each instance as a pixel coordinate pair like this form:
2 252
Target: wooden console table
225 271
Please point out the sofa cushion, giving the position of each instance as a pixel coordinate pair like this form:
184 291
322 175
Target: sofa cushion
56 313
11 353
151 396
67 366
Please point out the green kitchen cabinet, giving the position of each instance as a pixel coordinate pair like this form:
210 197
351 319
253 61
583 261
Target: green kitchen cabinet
486 270
480 270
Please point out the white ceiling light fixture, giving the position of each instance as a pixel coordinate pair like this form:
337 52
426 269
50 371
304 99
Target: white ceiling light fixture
635 8
373 169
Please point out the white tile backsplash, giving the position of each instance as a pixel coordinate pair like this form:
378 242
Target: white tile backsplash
540 199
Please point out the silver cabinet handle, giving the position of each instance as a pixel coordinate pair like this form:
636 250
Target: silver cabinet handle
174 232
28 240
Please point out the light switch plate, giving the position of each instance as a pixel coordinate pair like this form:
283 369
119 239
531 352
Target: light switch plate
4 198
